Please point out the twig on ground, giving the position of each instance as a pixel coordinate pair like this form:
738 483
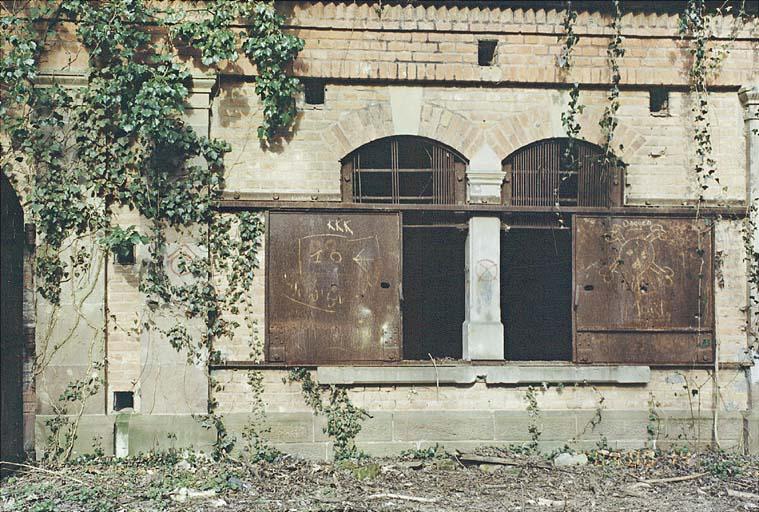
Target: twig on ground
503 461
388 495
673 479
59 474
743 495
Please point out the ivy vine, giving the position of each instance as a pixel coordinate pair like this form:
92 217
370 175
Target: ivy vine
568 37
570 117
121 142
344 420
693 24
614 52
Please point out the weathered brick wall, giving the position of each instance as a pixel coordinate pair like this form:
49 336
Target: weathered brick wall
659 150
391 69
375 64
397 41
407 42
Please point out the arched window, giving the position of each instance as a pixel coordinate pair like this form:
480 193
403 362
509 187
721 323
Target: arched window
556 172
404 169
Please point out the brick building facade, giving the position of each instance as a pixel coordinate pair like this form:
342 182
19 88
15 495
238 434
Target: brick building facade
478 85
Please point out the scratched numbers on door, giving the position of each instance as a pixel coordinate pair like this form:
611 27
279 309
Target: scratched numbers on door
335 266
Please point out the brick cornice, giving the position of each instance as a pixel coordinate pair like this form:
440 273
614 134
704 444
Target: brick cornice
495 17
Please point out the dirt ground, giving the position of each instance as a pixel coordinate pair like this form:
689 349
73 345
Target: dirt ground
616 481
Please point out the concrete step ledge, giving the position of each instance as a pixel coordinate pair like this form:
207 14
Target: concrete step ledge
511 374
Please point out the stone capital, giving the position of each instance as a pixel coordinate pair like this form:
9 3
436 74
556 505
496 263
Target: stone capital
202 84
201 92
484 177
749 96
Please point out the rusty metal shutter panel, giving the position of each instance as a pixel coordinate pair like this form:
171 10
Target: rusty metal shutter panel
617 185
643 290
346 181
333 287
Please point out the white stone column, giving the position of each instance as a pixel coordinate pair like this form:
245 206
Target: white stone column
749 97
483 330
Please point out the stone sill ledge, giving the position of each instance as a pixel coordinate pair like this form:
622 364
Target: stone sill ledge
512 374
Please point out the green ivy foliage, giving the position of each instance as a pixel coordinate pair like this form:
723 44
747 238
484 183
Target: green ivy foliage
344 420
121 142
693 24
568 37
273 51
569 118
130 146
263 42
614 52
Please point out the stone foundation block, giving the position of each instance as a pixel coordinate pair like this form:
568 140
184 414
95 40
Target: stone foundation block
443 426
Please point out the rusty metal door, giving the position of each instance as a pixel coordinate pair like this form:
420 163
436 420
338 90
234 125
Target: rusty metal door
333 287
643 290
11 326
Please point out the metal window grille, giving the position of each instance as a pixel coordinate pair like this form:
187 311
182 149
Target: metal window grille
549 173
402 170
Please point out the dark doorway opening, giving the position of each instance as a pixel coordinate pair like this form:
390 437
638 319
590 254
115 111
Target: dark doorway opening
433 292
536 294
11 324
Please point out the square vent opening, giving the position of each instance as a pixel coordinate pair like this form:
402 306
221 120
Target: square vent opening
123 400
486 52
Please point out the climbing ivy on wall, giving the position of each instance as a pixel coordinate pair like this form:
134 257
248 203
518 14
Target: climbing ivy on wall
568 38
570 117
614 52
694 25
78 156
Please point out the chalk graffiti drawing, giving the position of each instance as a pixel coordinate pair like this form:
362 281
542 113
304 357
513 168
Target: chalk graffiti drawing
635 262
333 268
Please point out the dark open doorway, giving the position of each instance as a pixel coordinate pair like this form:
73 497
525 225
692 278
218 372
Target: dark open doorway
536 294
433 292
11 325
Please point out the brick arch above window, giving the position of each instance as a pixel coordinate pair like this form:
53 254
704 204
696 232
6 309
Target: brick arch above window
376 121
534 124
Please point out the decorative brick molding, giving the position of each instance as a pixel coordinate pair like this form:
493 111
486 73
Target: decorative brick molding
498 17
408 43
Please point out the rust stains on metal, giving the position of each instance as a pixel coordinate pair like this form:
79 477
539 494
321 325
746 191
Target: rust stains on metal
643 290
334 287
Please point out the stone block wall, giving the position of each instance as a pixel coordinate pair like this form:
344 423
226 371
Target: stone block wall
665 412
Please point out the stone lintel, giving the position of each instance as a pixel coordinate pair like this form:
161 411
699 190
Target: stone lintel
490 374
65 80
